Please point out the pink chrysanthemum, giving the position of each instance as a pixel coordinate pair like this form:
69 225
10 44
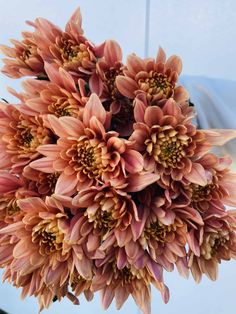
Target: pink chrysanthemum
162 228
20 135
156 78
23 59
170 144
43 183
42 252
166 141
13 188
69 49
109 212
220 187
85 154
116 278
60 96
103 83
214 242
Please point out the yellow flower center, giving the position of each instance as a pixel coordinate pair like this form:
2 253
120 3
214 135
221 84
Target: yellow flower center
156 83
158 231
52 180
110 79
126 275
167 147
72 52
201 193
27 53
88 158
48 236
26 137
213 242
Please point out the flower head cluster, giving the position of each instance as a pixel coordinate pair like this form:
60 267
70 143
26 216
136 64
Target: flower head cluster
105 182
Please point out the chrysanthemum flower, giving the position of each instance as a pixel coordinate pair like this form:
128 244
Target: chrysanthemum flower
103 83
170 144
23 59
120 282
20 135
42 252
214 242
43 183
60 96
220 187
80 285
69 49
162 228
110 211
85 154
156 78
166 141
33 284
12 188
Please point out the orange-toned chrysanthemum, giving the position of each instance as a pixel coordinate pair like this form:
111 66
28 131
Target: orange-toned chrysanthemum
85 154
170 144
220 187
103 83
13 188
41 182
166 140
214 242
69 48
162 228
20 135
156 78
23 59
33 284
60 96
118 279
110 211
80 285
42 253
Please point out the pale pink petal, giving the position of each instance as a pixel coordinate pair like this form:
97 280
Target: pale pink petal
138 182
56 126
175 63
96 84
66 184
197 175
126 86
133 161
181 94
161 56
153 116
112 52
95 108
43 164
67 80
72 126
139 110
107 297
74 24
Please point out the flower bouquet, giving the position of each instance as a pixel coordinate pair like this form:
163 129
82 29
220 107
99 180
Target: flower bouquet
105 182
